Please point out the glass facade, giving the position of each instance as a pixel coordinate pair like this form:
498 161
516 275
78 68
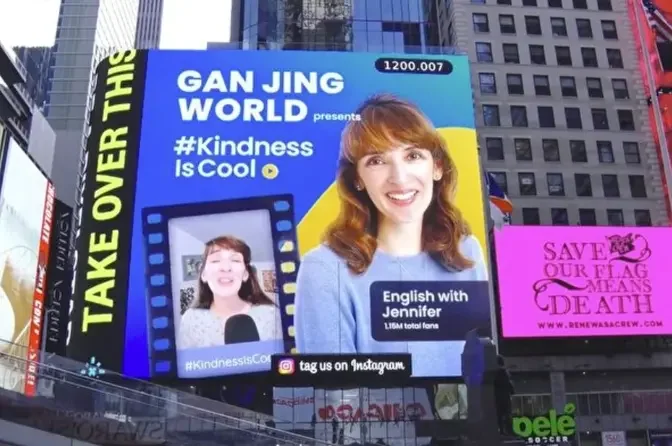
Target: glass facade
148 29
368 416
407 26
37 61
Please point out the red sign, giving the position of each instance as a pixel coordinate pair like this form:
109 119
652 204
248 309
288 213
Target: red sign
38 296
375 412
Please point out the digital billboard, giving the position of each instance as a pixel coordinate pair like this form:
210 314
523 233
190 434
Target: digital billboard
242 204
583 281
26 212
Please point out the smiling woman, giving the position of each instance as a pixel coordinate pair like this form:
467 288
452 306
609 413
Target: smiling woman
398 223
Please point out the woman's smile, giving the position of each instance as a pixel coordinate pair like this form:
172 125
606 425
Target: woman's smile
402 197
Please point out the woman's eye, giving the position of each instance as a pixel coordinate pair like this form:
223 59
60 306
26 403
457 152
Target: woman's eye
375 160
415 156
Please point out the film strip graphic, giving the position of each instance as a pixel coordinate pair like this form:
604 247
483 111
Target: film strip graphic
159 290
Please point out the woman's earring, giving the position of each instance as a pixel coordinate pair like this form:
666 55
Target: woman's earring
437 176
359 187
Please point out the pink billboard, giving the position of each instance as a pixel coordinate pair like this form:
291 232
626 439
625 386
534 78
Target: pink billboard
584 281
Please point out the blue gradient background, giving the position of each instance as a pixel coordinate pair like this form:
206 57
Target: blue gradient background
445 99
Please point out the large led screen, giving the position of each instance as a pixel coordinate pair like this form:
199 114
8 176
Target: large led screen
583 281
241 204
26 207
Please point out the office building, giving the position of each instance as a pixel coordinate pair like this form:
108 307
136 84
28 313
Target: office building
20 117
561 108
652 26
345 25
15 103
37 61
87 32
148 27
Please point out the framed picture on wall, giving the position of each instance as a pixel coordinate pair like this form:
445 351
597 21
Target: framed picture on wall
191 265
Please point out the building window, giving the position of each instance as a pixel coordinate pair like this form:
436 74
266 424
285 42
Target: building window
631 151
501 180
495 149
519 116
643 217
480 22
546 117
637 186
604 5
587 217
573 118
614 57
491 115
531 216
594 85
615 217
583 186
551 150
507 25
577 150
579 4
511 53
542 86
537 54
504 2
605 152
626 120
559 217
568 86
620 87
600 118
584 29
514 83
556 184
558 27
483 52
609 29
610 186
532 25
529 2
563 56
487 83
527 183
589 57
523 149
555 3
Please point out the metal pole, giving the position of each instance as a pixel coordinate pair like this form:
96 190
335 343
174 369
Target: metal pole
662 139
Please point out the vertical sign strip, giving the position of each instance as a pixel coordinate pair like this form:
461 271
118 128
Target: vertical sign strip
102 258
30 386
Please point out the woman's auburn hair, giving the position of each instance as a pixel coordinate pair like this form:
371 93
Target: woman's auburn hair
386 121
250 290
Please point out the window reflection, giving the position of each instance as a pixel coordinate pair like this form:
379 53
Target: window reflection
649 402
376 25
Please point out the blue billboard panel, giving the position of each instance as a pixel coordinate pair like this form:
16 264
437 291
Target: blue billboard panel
243 204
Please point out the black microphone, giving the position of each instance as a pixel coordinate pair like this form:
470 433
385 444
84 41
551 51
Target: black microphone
240 328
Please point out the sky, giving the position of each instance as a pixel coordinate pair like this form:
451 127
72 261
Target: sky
187 24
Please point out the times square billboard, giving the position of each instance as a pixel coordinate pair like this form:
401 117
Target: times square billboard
26 214
238 205
583 282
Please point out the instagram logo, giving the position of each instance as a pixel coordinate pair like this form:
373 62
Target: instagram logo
286 367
